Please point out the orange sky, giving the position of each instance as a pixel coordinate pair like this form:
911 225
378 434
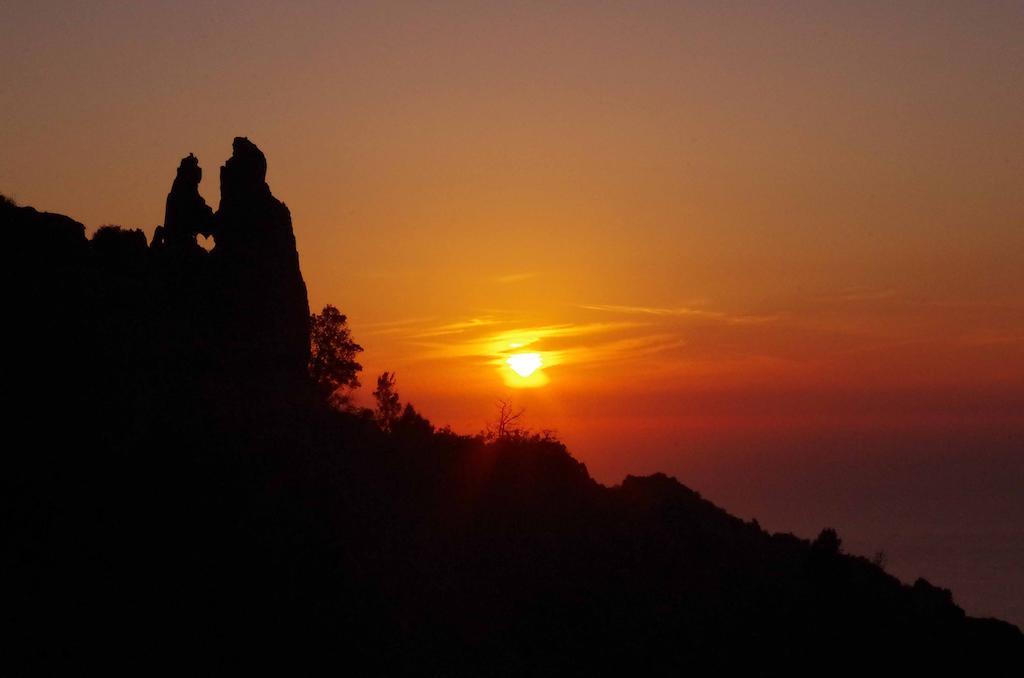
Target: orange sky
731 231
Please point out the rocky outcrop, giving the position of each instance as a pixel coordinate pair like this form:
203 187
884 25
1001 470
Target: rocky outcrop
223 332
34 236
244 306
186 214
255 269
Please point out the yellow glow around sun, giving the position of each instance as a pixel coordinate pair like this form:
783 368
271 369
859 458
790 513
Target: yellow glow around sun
524 364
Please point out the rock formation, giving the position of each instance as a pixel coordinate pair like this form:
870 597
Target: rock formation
223 332
186 213
247 300
256 273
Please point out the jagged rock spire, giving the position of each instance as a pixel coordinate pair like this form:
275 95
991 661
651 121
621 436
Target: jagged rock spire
186 213
245 172
256 265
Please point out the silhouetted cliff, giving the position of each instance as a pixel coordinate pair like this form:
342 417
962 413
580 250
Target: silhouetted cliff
181 495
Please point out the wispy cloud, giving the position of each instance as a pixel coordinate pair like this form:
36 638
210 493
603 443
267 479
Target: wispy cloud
495 340
632 337
491 337
400 326
457 327
858 294
680 311
515 277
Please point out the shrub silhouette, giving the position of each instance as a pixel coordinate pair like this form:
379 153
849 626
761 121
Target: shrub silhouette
412 428
121 249
827 543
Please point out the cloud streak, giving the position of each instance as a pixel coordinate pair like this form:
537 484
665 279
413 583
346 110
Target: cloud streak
680 312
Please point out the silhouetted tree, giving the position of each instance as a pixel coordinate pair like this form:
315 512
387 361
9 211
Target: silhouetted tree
507 423
412 423
827 543
332 355
388 404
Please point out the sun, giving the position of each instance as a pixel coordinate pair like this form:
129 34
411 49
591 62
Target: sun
524 364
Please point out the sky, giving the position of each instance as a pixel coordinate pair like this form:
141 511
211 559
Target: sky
773 249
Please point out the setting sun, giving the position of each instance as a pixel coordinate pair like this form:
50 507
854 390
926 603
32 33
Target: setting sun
524 364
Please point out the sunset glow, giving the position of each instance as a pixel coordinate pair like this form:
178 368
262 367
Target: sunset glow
773 249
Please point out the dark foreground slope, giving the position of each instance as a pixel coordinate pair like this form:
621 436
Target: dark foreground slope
179 497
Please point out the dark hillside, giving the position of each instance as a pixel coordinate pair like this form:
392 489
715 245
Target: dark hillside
180 495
